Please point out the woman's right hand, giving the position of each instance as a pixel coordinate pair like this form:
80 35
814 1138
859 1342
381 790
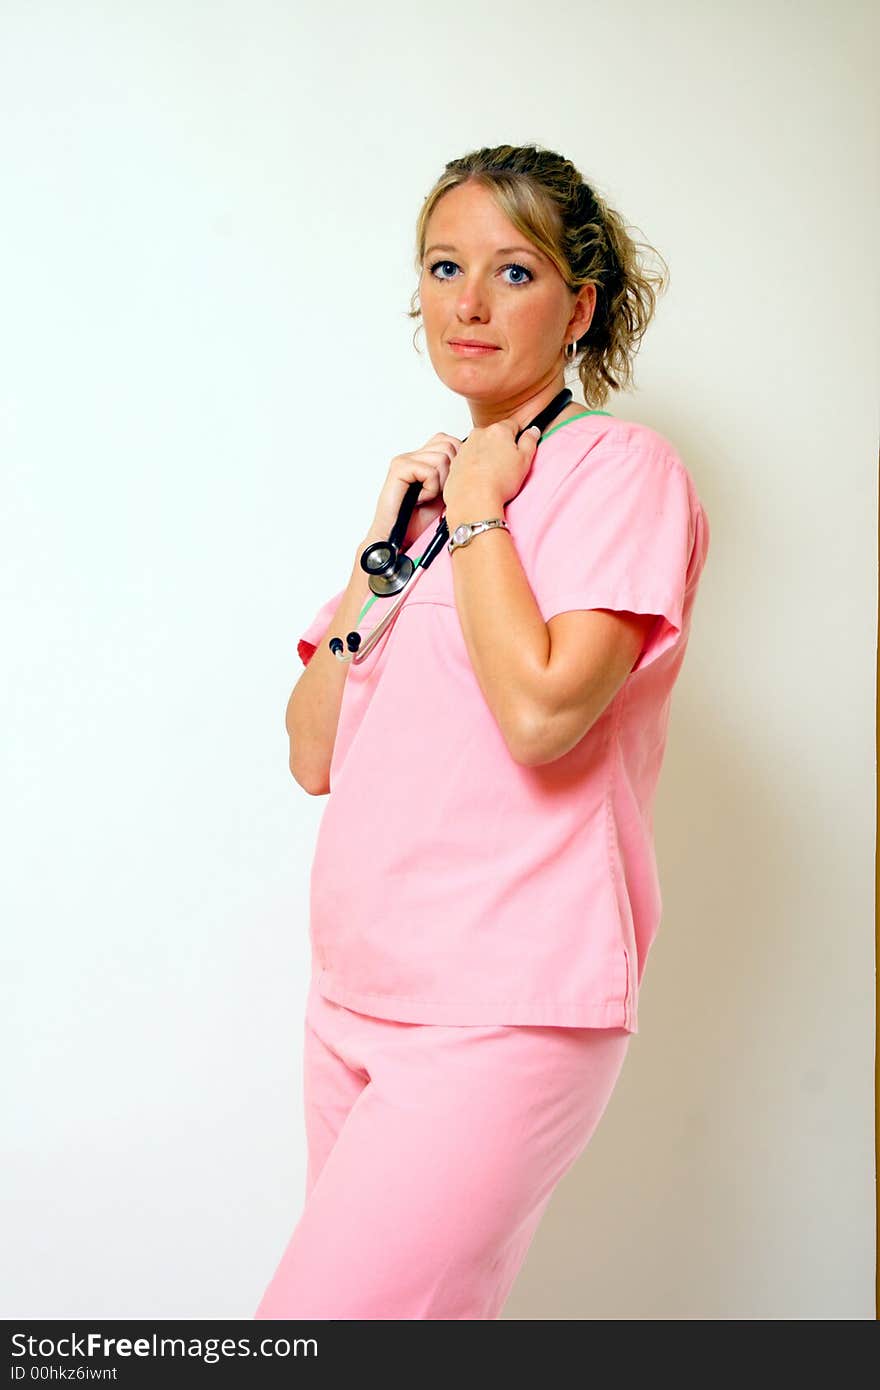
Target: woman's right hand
431 465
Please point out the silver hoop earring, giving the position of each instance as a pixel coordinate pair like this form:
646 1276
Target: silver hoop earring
570 356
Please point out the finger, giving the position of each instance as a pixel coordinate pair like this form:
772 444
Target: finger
429 492
450 439
410 470
435 457
429 476
433 486
528 441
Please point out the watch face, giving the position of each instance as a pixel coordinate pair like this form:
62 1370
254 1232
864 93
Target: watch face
461 533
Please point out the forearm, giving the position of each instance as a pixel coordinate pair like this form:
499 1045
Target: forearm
505 634
312 715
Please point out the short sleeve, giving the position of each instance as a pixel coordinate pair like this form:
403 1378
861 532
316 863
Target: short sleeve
619 534
312 635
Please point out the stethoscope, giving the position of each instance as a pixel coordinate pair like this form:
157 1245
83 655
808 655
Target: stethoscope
392 571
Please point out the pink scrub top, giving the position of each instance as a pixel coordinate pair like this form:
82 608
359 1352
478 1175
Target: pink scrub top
451 884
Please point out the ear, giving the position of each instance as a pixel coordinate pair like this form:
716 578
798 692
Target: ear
582 312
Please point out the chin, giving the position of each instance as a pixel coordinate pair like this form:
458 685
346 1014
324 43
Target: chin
470 384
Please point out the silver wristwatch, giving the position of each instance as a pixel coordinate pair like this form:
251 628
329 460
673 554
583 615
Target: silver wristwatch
464 534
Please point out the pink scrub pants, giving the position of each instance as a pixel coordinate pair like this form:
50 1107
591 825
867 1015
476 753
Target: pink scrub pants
433 1151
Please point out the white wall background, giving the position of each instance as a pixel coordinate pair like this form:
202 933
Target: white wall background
207 218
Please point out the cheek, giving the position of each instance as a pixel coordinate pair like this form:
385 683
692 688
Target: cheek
430 304
534 326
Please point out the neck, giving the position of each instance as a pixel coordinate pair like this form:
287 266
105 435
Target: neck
522 407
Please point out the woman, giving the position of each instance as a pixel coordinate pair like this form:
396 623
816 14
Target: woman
484 891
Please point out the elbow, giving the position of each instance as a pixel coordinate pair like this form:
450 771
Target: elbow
309 765
314 786
530 742
541 738
315 781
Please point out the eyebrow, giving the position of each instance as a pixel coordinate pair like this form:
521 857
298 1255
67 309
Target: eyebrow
499 251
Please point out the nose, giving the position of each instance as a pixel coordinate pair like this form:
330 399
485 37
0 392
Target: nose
472 303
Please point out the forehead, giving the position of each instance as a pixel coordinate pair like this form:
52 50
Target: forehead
468 219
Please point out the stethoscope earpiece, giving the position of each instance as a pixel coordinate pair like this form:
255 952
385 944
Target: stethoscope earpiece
391 569
353 639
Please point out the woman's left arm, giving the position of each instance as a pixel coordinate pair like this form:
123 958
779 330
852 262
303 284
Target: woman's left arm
545 683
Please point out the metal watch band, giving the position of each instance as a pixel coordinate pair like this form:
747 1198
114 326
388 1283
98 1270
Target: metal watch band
473 528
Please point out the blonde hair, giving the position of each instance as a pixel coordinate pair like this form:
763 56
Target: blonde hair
550 203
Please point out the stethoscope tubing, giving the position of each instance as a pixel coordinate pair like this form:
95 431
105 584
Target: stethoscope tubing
387 618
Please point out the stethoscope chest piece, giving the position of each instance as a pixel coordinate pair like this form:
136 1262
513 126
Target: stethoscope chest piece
390 569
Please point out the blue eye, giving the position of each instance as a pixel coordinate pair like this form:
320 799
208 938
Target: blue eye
512 265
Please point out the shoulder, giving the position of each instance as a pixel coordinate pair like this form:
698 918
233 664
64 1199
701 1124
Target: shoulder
599 445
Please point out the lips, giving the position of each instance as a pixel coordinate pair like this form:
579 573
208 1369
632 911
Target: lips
472 347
